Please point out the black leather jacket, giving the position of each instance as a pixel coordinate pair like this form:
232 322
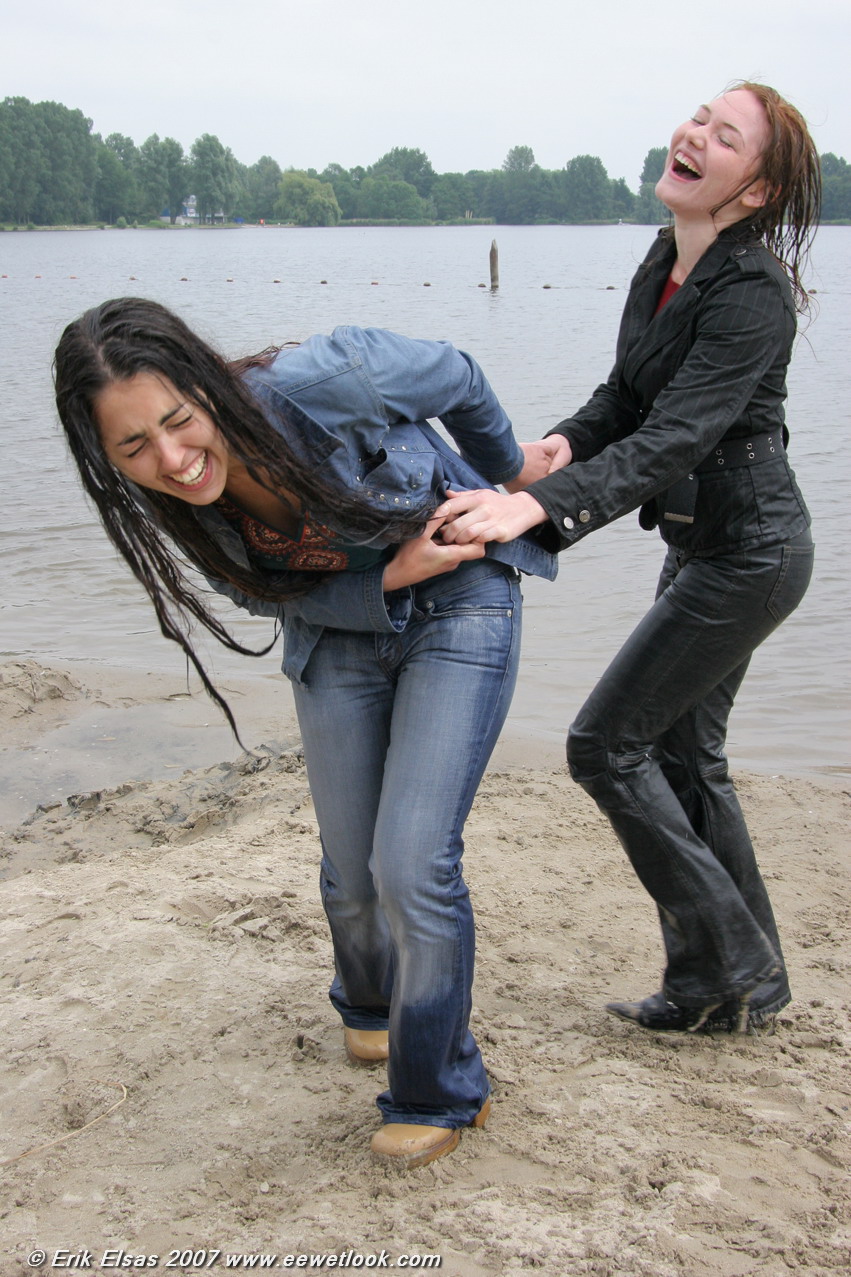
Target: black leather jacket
711 366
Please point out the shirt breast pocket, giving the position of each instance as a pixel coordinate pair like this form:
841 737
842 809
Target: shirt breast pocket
402 477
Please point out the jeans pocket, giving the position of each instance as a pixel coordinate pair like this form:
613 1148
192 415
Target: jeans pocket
796 568
472 588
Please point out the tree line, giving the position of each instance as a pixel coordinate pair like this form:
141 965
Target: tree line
54 170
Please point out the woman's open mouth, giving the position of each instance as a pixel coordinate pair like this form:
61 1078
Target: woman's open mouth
194 475
683 167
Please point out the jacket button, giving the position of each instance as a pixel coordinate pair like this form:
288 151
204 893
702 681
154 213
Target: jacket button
567 521
584 516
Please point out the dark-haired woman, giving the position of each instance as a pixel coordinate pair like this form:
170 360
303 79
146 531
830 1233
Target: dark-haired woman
690 427
302 484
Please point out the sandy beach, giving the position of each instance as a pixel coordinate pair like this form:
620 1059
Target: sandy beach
173 1074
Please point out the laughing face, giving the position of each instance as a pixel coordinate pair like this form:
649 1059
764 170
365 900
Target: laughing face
712 156
162 440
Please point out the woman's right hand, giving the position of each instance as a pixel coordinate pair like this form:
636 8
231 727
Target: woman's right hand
541 458
422 557
482 515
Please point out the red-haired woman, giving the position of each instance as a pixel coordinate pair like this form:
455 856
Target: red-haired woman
690 428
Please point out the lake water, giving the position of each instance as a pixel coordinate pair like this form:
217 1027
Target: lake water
545 339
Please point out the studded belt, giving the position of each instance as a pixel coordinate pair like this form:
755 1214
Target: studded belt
681 498
749 451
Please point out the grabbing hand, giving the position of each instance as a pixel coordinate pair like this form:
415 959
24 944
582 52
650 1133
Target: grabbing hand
542 457
483 515
422 557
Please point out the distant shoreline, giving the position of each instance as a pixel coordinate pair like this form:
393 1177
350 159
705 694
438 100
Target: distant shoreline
290 226
347 225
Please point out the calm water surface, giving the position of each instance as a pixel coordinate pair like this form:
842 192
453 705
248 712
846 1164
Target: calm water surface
545 339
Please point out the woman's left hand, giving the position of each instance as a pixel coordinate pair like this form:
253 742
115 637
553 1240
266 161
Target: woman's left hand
542 457
422 557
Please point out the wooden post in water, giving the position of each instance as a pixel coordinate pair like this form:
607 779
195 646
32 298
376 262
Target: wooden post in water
494 266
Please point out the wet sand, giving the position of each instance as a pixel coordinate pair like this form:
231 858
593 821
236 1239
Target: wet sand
165 962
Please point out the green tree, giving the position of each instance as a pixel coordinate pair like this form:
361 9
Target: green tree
23 160
346 184
238 194
621 200
48 163
306 201
178 176
836 188
649 210
116 191
654 165
114 187
832 165
585 190
70 170
519 193
211 177
526 196
481 183
406 164
152 177
451 197
164 177
125 148
382 199
520 159
263 181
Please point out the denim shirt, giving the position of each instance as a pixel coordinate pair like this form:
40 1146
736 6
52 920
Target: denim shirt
355 405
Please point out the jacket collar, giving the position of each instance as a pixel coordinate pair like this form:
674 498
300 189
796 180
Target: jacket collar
739 235
649 331
658 267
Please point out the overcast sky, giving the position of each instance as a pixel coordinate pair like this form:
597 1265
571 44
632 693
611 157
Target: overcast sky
310 82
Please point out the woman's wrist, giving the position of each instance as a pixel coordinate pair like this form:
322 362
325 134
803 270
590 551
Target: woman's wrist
528 512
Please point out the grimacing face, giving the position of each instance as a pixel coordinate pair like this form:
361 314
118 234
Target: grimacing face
162 440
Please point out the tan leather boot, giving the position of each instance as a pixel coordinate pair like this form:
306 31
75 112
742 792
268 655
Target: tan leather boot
366 1046
407 1145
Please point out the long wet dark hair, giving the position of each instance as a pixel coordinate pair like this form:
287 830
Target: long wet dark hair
130 335
790 167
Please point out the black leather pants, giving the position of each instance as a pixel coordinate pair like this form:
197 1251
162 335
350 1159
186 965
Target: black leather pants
648 746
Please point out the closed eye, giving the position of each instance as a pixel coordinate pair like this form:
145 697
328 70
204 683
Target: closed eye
172 425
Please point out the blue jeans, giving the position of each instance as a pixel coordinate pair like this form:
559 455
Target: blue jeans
397 731
648 745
